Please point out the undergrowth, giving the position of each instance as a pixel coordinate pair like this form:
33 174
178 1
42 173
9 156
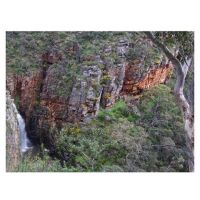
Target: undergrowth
121 140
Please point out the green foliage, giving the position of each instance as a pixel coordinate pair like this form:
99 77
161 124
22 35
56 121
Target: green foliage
183 40
118 110
62 81
161 117
119 139
89 49
90 150
24 50
143 51
159 100
17 101
39 162
105 79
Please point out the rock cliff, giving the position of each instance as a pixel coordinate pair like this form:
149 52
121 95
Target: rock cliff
51 96
12 135
135 83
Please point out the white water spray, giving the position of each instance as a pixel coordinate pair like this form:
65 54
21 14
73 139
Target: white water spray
25 143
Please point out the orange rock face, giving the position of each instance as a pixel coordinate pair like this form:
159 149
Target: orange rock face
46 100
135 82
30 90
26 89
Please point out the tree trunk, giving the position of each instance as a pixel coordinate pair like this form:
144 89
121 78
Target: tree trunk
188 117
181 72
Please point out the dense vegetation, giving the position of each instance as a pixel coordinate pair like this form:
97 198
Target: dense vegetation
142 136
134 135
24 49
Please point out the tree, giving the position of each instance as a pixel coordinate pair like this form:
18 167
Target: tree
182 59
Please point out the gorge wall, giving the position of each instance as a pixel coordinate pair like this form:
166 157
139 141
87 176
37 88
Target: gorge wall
135 83
43 107
48 97
12 135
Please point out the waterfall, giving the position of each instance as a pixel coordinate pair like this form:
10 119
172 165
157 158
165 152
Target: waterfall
25 143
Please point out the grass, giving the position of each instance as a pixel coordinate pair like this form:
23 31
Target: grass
119 110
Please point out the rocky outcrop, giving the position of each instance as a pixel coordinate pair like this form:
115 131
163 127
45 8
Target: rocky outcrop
129 79
136 81
47 99
26 90
12 135
86 93
51 103
114 73
51 96
113 80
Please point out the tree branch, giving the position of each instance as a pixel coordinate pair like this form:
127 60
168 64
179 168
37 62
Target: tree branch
181 72
167 52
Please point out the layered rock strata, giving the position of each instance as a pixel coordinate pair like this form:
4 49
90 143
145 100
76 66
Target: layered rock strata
135 82
49 97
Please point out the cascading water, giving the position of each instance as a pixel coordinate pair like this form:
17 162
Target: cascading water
24 141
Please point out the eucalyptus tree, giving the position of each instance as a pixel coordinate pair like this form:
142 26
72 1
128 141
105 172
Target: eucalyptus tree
179 49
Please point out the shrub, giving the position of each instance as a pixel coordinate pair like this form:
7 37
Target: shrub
119 110
39 163
105 79
90 150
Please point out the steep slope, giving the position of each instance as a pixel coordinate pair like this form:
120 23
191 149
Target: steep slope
12 136
131 136
71 79
96 93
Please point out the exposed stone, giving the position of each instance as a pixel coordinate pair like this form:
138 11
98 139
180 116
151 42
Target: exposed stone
136 81
86 93
48 97
113 86
47 100
51 108
25 89
30 91
107 49
12 135
122 48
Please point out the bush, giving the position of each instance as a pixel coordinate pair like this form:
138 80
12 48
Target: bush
90 150
38 163
119 110
162 118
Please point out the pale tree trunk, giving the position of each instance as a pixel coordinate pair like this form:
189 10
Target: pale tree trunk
181 72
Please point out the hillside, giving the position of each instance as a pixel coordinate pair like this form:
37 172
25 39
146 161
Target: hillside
96 101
